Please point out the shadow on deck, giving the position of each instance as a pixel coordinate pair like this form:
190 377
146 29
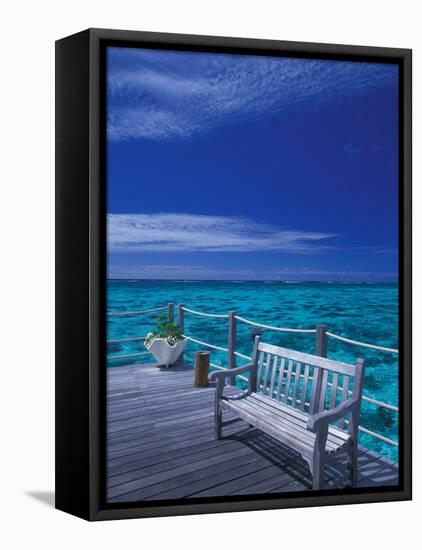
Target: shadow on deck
160 445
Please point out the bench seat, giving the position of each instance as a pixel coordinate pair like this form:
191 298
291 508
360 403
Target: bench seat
284 423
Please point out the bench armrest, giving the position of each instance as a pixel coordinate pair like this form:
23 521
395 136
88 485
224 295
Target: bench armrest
222 374
318 420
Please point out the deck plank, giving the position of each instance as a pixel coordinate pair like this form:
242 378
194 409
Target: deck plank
161 445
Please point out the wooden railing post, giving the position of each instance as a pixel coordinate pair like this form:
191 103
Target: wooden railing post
181 317
321 340
231 359
170 312
181 323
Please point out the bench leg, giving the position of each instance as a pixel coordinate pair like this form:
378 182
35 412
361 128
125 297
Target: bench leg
317 471
353 464
218 423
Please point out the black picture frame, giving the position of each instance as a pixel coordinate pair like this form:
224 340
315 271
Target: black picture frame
80 271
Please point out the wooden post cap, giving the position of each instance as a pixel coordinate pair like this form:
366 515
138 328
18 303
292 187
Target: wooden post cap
202 365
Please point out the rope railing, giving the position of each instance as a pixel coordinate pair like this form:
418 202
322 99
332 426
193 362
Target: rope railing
218 367
124 313
212 346
378 436
279 329
238 354
216 315
129 355
362 344
380 403
260 325
126 340
169 307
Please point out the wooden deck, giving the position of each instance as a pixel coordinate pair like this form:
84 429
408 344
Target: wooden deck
161 445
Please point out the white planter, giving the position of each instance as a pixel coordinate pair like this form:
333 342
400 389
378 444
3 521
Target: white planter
165 353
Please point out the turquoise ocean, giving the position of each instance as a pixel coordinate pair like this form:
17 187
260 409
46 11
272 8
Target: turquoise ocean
366 312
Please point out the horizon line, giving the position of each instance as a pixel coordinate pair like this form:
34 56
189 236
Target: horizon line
253 280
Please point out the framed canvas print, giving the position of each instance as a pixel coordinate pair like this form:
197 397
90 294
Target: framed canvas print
233 274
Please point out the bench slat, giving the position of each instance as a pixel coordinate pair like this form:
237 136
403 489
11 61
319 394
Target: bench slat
344 396
273 375
316 385
280 377
267 370
296 383
323 390
260 363
304 388
288 377
334 386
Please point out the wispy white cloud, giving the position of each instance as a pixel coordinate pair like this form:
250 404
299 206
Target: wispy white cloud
157 95
163 232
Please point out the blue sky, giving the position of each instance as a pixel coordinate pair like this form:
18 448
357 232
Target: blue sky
245 167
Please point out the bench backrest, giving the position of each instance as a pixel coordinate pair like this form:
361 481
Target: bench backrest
309 383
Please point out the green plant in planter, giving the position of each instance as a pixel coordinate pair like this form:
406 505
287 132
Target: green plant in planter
166 329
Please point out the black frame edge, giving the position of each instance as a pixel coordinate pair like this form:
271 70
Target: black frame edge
298 48
72 382
406 272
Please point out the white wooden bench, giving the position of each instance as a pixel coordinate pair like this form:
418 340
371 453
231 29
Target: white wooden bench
307 402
